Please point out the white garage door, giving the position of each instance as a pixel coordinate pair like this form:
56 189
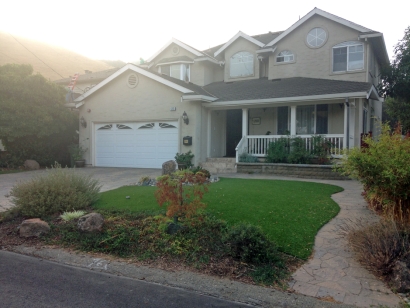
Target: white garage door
139 145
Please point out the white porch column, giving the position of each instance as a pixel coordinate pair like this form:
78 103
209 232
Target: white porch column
293 120
244 122
209 134
345 132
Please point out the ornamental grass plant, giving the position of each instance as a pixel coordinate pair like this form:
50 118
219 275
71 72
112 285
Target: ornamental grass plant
56 191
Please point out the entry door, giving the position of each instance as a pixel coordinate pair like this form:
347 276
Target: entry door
233 131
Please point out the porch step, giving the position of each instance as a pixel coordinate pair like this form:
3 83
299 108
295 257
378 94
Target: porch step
219 165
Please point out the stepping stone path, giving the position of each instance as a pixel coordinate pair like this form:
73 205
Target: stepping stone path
332 272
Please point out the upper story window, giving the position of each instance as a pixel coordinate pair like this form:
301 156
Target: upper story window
285 56
180 71
348 56
316 37
241 64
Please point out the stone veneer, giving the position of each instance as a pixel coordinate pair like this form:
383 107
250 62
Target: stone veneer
324 172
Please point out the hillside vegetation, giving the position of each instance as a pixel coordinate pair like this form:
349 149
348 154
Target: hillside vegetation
63 61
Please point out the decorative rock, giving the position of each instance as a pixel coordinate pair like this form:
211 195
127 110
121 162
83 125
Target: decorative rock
33 227
91 222
169 167
31 164
401 277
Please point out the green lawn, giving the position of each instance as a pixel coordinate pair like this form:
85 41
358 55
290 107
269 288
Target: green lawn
290 212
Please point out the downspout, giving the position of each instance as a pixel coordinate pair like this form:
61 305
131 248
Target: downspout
347 123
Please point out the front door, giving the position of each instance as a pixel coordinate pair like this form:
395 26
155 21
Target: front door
233 131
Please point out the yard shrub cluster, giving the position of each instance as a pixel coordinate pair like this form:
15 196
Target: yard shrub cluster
293 150
57 191
384 170
202 241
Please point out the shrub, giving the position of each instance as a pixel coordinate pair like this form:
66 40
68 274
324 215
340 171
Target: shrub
384 170
321 149
298 152
205 172
249 244
184 159
181 193
56 191
379 245
278 151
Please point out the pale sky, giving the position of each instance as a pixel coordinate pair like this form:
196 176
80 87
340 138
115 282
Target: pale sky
128 30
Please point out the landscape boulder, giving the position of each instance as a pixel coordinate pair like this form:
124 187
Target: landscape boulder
92 222
33 227
31 164
401 277
169 167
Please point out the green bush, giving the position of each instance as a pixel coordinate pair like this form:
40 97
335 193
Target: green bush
321 149
298 152
56 191
384 170
278 151
381 244
249 244
205 172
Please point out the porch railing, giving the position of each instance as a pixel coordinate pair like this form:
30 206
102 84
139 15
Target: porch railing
257 145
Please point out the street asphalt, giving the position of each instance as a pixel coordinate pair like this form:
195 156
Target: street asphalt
30 282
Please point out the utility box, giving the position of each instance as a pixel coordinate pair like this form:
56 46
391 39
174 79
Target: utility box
187 140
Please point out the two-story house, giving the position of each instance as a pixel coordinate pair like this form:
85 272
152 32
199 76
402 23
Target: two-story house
316 77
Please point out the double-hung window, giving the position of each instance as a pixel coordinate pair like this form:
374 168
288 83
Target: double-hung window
180 71
348 56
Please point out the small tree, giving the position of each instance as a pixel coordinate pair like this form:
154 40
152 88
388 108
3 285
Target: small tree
181 193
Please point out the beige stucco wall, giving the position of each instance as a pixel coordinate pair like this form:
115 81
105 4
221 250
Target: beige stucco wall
149 101
167 53
241 45
314 62
267 123
218 133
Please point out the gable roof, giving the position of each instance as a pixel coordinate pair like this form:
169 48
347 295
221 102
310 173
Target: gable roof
179 43
235 37
179 59
319 12
160 78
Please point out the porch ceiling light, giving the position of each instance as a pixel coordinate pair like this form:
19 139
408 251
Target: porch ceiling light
83 122
185 118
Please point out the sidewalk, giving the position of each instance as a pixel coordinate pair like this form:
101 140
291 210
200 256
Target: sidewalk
332 272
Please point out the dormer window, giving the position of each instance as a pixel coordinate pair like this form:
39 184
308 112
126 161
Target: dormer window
348 56
180 71
285 56
241 64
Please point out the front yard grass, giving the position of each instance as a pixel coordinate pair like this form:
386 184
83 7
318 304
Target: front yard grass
289 212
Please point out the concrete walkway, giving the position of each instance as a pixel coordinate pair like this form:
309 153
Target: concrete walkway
332 272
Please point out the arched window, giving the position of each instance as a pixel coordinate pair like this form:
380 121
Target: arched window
285 56
242 64
348 56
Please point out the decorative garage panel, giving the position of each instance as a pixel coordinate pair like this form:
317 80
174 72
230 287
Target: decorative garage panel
138 145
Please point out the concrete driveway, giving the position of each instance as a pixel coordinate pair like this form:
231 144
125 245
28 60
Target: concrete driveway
110 178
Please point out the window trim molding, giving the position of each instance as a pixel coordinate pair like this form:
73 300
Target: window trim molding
347 71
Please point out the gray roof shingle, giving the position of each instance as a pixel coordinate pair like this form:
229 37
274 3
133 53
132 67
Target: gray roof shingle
281 88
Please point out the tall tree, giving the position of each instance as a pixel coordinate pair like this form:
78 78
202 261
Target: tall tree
396 83
34 124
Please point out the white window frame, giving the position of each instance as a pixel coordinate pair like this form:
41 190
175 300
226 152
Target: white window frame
287 56
347 45
181 71
242 54
314 119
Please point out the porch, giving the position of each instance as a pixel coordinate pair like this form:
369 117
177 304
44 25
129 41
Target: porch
233 132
